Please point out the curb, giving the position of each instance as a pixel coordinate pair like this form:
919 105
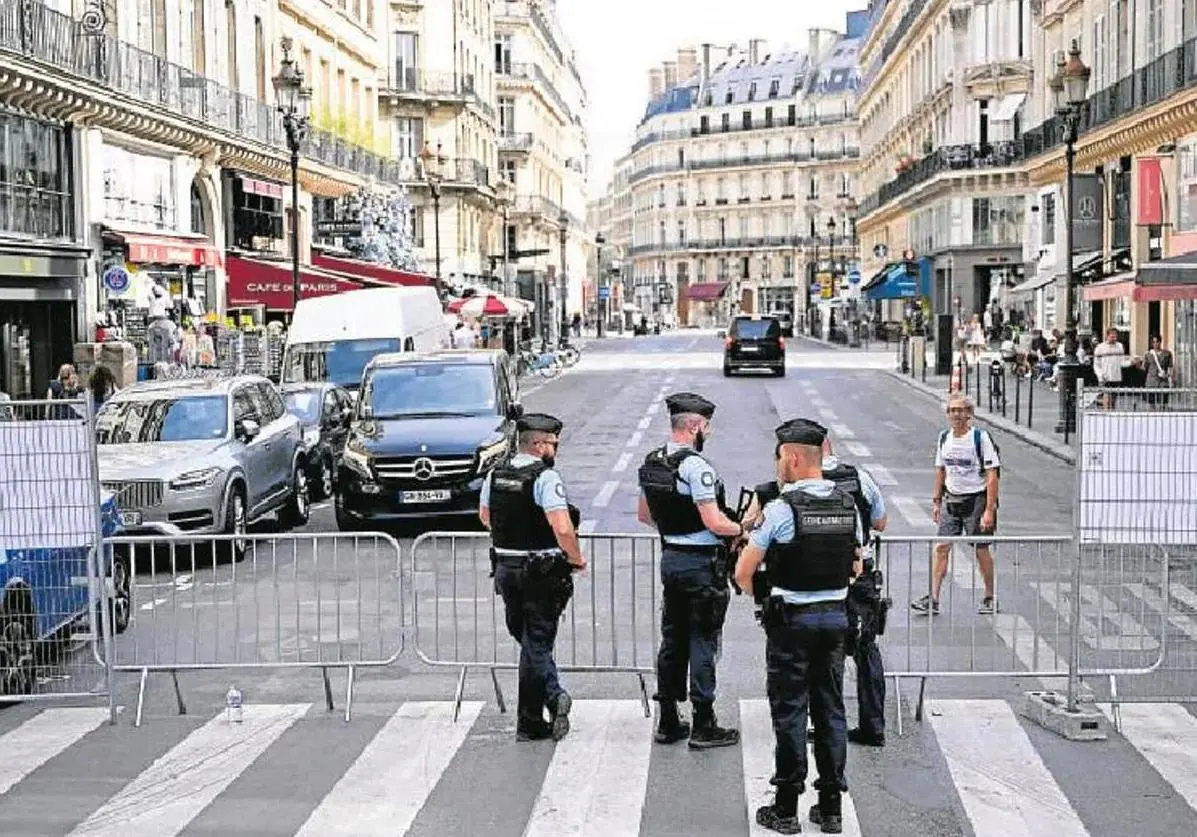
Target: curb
1031 437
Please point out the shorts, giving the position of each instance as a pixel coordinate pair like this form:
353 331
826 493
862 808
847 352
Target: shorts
961 515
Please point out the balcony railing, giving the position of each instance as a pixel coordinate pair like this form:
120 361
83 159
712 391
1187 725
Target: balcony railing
742 243
739 161
411 82
948 158
534 73
470 172
31 31
515 142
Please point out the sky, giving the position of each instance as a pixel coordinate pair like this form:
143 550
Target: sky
618 41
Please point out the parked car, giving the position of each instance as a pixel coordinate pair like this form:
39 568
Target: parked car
786 320
427 428
324 412
754 342
202 456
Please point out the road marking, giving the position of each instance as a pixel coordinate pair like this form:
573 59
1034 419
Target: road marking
42 737
587 527
756 745
148 606
1166 735
621 464
595 784
842 431
319 506
172 791
894 426
913 513
1131 636
817 401
1155 602
829 415
858 449
1003 784
634 441
653 408
880 474
381 793
644 423
603 498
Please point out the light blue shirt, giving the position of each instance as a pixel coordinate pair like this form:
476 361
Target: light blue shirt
697 480
548 491
868 487
778 527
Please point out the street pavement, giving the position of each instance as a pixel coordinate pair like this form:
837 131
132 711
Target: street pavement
403 766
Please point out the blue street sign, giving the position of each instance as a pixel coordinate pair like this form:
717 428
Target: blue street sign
854 277
116 279
604 292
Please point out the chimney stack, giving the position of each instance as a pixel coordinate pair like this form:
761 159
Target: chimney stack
656 83
687 63
670 70
755 48
706 62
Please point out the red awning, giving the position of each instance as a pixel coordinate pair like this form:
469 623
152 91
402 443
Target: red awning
1124 286
1121 286
376 274
145 248
706 292
255 282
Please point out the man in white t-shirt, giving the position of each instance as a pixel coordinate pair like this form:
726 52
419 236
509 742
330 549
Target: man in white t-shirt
965 499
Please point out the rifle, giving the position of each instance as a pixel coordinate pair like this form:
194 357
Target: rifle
733 555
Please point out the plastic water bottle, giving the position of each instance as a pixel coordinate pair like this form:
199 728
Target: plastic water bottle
232 702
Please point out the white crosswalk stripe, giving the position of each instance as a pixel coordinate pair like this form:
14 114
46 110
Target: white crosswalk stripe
597 781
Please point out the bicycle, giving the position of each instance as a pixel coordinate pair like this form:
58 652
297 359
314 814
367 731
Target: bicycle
546 364
568 354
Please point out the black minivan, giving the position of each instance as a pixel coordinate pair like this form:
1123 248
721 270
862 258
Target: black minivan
754 342
427 428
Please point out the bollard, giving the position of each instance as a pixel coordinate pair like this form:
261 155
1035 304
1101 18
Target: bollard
1017 398
1030 402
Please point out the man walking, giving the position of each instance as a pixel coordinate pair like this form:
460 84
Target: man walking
964 500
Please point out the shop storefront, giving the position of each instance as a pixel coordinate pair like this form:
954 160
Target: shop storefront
255 215
41 285
268 285
707 304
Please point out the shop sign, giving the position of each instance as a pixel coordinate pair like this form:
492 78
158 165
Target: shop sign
339 229
153 252
305 288
1089 194
262 187
116 279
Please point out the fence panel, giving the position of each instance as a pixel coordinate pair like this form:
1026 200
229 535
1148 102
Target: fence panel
609 626
326 601
1136 473
56 602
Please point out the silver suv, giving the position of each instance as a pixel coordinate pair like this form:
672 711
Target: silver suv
202 456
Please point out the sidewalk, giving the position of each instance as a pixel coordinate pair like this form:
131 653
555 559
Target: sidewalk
1031 409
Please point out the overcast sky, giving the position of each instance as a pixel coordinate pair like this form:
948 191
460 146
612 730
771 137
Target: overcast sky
618 41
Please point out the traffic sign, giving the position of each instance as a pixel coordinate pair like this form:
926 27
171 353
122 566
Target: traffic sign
853 277
116 279
604 292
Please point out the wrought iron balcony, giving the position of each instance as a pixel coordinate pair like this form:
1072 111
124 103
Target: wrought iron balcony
536 75
32 32
948 158
515 142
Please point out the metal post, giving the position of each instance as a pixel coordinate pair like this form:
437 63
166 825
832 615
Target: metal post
1069 364
506 256
436 229
293 141
563 289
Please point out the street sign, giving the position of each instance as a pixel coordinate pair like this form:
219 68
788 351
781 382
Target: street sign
604 292
339 229
853 277
826 285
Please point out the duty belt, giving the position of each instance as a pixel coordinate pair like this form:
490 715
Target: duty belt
695 548
518 557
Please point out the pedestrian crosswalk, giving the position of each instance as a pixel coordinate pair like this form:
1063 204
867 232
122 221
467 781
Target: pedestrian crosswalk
387 773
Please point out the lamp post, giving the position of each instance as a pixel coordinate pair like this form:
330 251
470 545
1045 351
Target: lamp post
433 163
293 100
599 241
503 198
563 288
1069 87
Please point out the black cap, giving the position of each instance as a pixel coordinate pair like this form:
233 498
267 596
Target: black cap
538 423
689 402
801 432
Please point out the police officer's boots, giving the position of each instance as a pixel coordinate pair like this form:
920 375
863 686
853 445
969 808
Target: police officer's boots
827 814
707 733
670 726
782 815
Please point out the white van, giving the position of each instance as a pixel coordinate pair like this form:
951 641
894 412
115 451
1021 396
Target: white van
332 338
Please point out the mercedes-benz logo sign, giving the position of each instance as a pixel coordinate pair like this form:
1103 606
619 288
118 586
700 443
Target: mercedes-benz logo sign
424 468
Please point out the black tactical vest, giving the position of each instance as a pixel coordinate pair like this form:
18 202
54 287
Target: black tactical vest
847 480
516 522
674 513
820 555
767 492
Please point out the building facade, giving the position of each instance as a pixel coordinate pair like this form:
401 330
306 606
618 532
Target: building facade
743 175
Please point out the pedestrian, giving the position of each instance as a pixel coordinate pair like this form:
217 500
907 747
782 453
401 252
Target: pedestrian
683 498
102 386
534 553
1159 371
964 500
808 540
1107 363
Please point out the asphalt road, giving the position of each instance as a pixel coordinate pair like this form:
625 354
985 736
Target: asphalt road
971 767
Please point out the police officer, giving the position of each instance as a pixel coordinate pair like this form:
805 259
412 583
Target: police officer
535 549
684 499
809 540
866 607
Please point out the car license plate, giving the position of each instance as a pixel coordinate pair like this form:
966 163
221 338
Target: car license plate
438 496
751 349
130 518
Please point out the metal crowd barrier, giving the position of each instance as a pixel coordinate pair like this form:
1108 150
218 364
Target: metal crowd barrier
1040 594
56 617
609 626
326 601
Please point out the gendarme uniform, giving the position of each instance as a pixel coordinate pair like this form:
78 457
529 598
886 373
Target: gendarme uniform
809 535
532 575
675 479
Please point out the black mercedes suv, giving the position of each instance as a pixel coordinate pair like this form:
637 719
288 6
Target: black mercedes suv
754 342
426 429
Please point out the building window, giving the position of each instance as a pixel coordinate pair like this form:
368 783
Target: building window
723 273
766 267
704 124
752 92
787 184
774 88
1155 29
746 120
35 186
726 123
744 262
728 96
792 115
1186 188
681 233
701 270
407 72
507 167
1049 219
506 115
768 117
409 137
787 267
503 55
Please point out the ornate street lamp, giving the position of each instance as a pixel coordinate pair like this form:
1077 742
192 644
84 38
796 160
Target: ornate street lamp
563 289
293 102
433 164
1070 86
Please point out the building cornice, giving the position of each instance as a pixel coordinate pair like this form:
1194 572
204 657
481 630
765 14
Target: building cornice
983 181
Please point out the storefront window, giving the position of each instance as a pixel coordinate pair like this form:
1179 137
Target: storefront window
1186 188
139 189
1184 352
35 181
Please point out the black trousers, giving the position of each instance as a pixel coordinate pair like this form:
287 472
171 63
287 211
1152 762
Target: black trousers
533 610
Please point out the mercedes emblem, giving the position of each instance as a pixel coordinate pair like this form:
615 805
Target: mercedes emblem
424 468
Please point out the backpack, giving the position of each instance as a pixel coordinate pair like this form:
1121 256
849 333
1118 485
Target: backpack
943 437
